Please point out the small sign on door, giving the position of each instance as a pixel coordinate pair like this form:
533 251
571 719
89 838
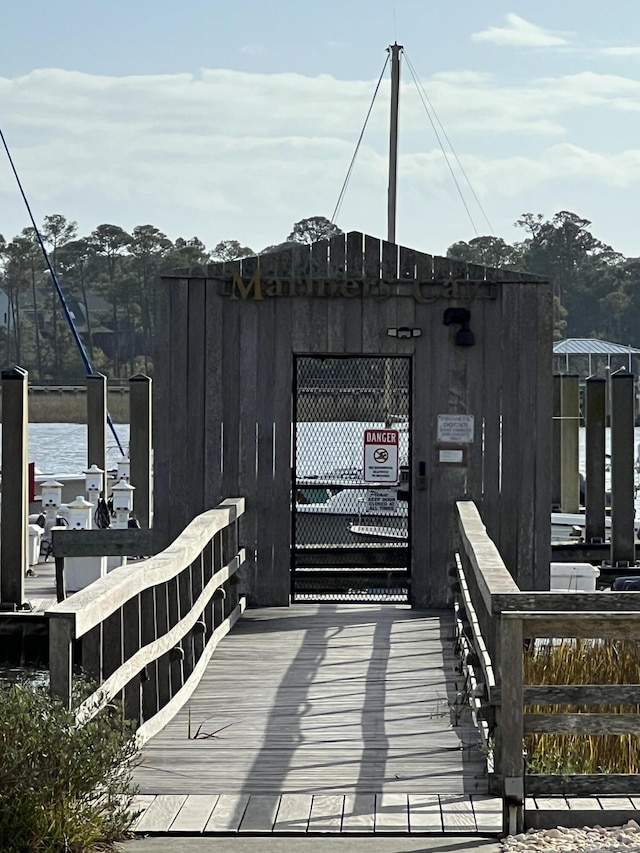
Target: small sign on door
455 429
381 455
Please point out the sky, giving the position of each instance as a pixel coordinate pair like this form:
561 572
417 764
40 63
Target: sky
233 119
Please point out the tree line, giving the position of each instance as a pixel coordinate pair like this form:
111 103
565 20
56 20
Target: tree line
596 290
108 278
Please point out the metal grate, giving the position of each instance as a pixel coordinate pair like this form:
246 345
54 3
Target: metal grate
350 505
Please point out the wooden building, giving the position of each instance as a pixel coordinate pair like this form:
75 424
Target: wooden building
478 342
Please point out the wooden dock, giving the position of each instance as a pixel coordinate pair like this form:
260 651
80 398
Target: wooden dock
330 717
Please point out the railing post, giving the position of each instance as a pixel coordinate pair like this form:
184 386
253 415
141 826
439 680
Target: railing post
61 658
162 626
509 728
112 643
556 444
149 633
570 430
207 567
15 486
140 446
596 415
91 651
186 603
219 597
622 469
130 645
97 422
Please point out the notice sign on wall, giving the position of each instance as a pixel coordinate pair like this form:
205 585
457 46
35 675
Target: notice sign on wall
455 429
381 455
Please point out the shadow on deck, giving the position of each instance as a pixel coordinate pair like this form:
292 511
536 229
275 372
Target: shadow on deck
322 699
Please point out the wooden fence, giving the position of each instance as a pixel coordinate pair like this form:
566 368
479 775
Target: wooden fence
147 631
494 618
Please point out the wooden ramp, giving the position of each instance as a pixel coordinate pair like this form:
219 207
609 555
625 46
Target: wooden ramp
322 717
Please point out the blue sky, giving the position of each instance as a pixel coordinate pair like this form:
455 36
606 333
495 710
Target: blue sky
232 119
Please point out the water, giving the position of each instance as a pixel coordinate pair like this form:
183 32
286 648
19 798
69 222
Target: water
322 447
62 448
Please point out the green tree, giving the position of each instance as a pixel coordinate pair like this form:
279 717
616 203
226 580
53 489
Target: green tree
110 243
230 250
148 249
20 259
56 231
487 252
313 229
581 268
185 253
74 260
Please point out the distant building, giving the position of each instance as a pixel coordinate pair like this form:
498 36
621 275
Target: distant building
593 357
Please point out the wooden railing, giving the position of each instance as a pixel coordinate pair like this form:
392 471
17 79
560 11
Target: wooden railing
147 630
494 618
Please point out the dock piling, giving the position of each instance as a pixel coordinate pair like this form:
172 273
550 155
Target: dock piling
15 486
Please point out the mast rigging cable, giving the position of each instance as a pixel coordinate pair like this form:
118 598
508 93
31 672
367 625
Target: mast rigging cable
355 153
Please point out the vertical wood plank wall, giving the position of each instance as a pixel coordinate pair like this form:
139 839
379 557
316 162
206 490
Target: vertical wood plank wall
223 403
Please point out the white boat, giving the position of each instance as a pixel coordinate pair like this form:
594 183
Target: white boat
345 512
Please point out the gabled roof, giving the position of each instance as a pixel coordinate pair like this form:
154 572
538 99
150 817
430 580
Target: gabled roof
355 254
591 346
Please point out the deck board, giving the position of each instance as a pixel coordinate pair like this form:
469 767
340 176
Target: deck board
321 718
322 699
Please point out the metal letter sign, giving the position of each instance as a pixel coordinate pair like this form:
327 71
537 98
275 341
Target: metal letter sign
381 455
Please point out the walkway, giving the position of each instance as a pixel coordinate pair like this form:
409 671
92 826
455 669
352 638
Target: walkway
338 718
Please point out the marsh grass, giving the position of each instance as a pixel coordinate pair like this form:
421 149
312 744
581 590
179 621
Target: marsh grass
72 408
583 662
62 787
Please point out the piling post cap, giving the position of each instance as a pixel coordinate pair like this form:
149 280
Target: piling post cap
93 469
596 379
99 376
14 373
140 377
80 503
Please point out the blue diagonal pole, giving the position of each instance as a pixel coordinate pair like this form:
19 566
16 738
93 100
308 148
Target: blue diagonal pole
65 308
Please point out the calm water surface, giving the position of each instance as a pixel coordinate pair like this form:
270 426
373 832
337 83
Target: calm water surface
62 448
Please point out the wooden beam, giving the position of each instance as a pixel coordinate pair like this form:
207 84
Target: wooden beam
141 447
102 543
97 422
15 487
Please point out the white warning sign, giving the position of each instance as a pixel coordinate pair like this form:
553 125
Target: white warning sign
381 455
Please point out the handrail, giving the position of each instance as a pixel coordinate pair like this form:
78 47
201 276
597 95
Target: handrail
149 653
497 619
147 630
95 603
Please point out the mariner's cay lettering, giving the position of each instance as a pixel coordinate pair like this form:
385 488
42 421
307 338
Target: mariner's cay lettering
258 288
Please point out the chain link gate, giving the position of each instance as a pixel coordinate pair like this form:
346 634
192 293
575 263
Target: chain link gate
350 538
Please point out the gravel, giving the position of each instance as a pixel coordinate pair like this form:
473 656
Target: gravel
616 839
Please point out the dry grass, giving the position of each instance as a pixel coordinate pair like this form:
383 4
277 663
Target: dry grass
583 662
57 408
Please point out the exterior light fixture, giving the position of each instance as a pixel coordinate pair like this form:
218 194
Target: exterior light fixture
404 332
464 335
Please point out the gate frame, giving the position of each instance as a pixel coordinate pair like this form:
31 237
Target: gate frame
408 569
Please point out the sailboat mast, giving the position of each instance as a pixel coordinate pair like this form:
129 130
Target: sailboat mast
394 49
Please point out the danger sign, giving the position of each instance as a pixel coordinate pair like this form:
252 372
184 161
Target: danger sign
381 455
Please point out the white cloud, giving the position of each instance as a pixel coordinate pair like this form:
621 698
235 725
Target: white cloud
226 154
252 49
628 51
520 33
